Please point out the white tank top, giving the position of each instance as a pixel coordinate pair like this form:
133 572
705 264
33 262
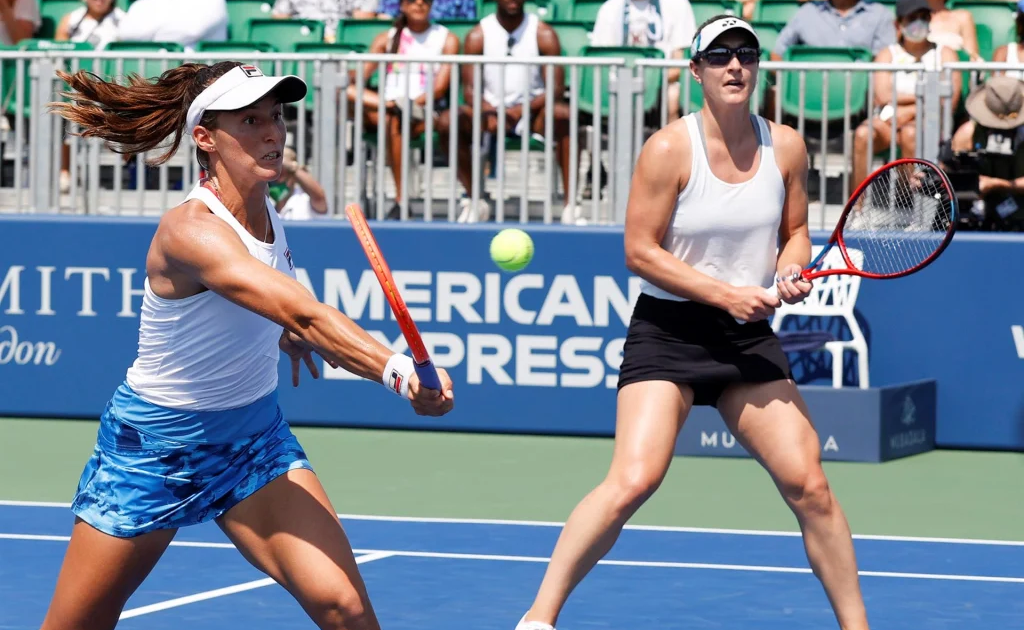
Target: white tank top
204 352
1013 57
726 231
905 81
84 28
429 43
520 79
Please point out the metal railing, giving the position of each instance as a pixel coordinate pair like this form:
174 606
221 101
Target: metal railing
331 134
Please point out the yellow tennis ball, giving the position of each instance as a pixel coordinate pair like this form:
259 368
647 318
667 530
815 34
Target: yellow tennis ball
512 249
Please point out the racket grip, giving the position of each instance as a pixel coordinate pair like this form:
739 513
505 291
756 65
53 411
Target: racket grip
428 375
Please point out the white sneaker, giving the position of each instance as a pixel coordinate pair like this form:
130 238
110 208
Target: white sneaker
466 214
573 215
532 625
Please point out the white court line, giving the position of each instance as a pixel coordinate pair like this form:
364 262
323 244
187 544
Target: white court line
650 528
220 592
174 543
374 554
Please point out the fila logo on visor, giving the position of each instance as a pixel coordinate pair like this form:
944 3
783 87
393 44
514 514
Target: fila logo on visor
251 71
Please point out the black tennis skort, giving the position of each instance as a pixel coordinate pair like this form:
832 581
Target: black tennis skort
694 344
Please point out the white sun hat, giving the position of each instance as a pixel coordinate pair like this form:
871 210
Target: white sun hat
240 87
711 31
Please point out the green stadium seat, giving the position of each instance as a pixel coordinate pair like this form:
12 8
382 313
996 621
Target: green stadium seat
985 47
993 14
52 12
311 48
361 32
585 10
241 12
706 9
10 69
652 77
151 68
240 49
768 33
285 34
572 35
776 10
789 85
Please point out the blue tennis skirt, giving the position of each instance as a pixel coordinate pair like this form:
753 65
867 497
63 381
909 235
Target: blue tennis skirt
136 483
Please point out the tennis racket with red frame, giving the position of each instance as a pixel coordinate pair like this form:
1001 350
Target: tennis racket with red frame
901 218
424 366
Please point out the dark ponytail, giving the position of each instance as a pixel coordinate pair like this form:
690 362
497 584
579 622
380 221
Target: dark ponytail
400 23
140 116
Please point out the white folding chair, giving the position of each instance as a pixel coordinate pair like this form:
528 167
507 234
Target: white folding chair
834 296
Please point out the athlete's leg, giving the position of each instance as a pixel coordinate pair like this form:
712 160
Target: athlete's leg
288 529
771 421
99 574
648 420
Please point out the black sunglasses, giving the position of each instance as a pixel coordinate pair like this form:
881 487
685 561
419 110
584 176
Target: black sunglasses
720 56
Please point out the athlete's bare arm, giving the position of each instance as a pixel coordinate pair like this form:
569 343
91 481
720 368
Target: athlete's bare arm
661 173
194 247
795 238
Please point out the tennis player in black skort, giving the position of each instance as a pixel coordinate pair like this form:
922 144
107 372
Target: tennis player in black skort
717 211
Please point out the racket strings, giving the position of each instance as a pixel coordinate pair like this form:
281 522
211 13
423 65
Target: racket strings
901 218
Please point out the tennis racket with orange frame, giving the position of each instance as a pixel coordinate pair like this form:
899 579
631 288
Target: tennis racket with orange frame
421 358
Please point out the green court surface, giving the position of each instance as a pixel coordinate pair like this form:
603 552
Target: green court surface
950 494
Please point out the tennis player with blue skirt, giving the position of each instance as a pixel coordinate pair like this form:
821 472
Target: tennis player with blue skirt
194 433
717 211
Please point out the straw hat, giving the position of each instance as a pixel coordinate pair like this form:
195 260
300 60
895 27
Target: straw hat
998 103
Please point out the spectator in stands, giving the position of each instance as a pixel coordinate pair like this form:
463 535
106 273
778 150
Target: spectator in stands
18 20
668 25
510 32
997 110
440 10
913 46
186 22
298 194
1012 52
330 12
412 35
838 23
96 23
954 28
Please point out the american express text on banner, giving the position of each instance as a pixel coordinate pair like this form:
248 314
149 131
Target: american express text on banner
535 351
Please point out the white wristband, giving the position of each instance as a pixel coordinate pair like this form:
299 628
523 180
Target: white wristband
397 372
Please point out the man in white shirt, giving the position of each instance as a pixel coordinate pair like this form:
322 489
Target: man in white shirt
668 25
184 21
18 20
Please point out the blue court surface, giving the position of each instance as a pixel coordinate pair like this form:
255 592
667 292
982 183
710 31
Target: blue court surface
426 574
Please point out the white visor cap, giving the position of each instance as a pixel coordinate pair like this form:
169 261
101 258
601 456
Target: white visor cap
707 35
240 87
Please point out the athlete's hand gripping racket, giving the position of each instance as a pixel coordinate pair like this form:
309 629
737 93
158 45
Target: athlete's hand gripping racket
424 366
900 218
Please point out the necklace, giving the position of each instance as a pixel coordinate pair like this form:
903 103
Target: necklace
216 191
